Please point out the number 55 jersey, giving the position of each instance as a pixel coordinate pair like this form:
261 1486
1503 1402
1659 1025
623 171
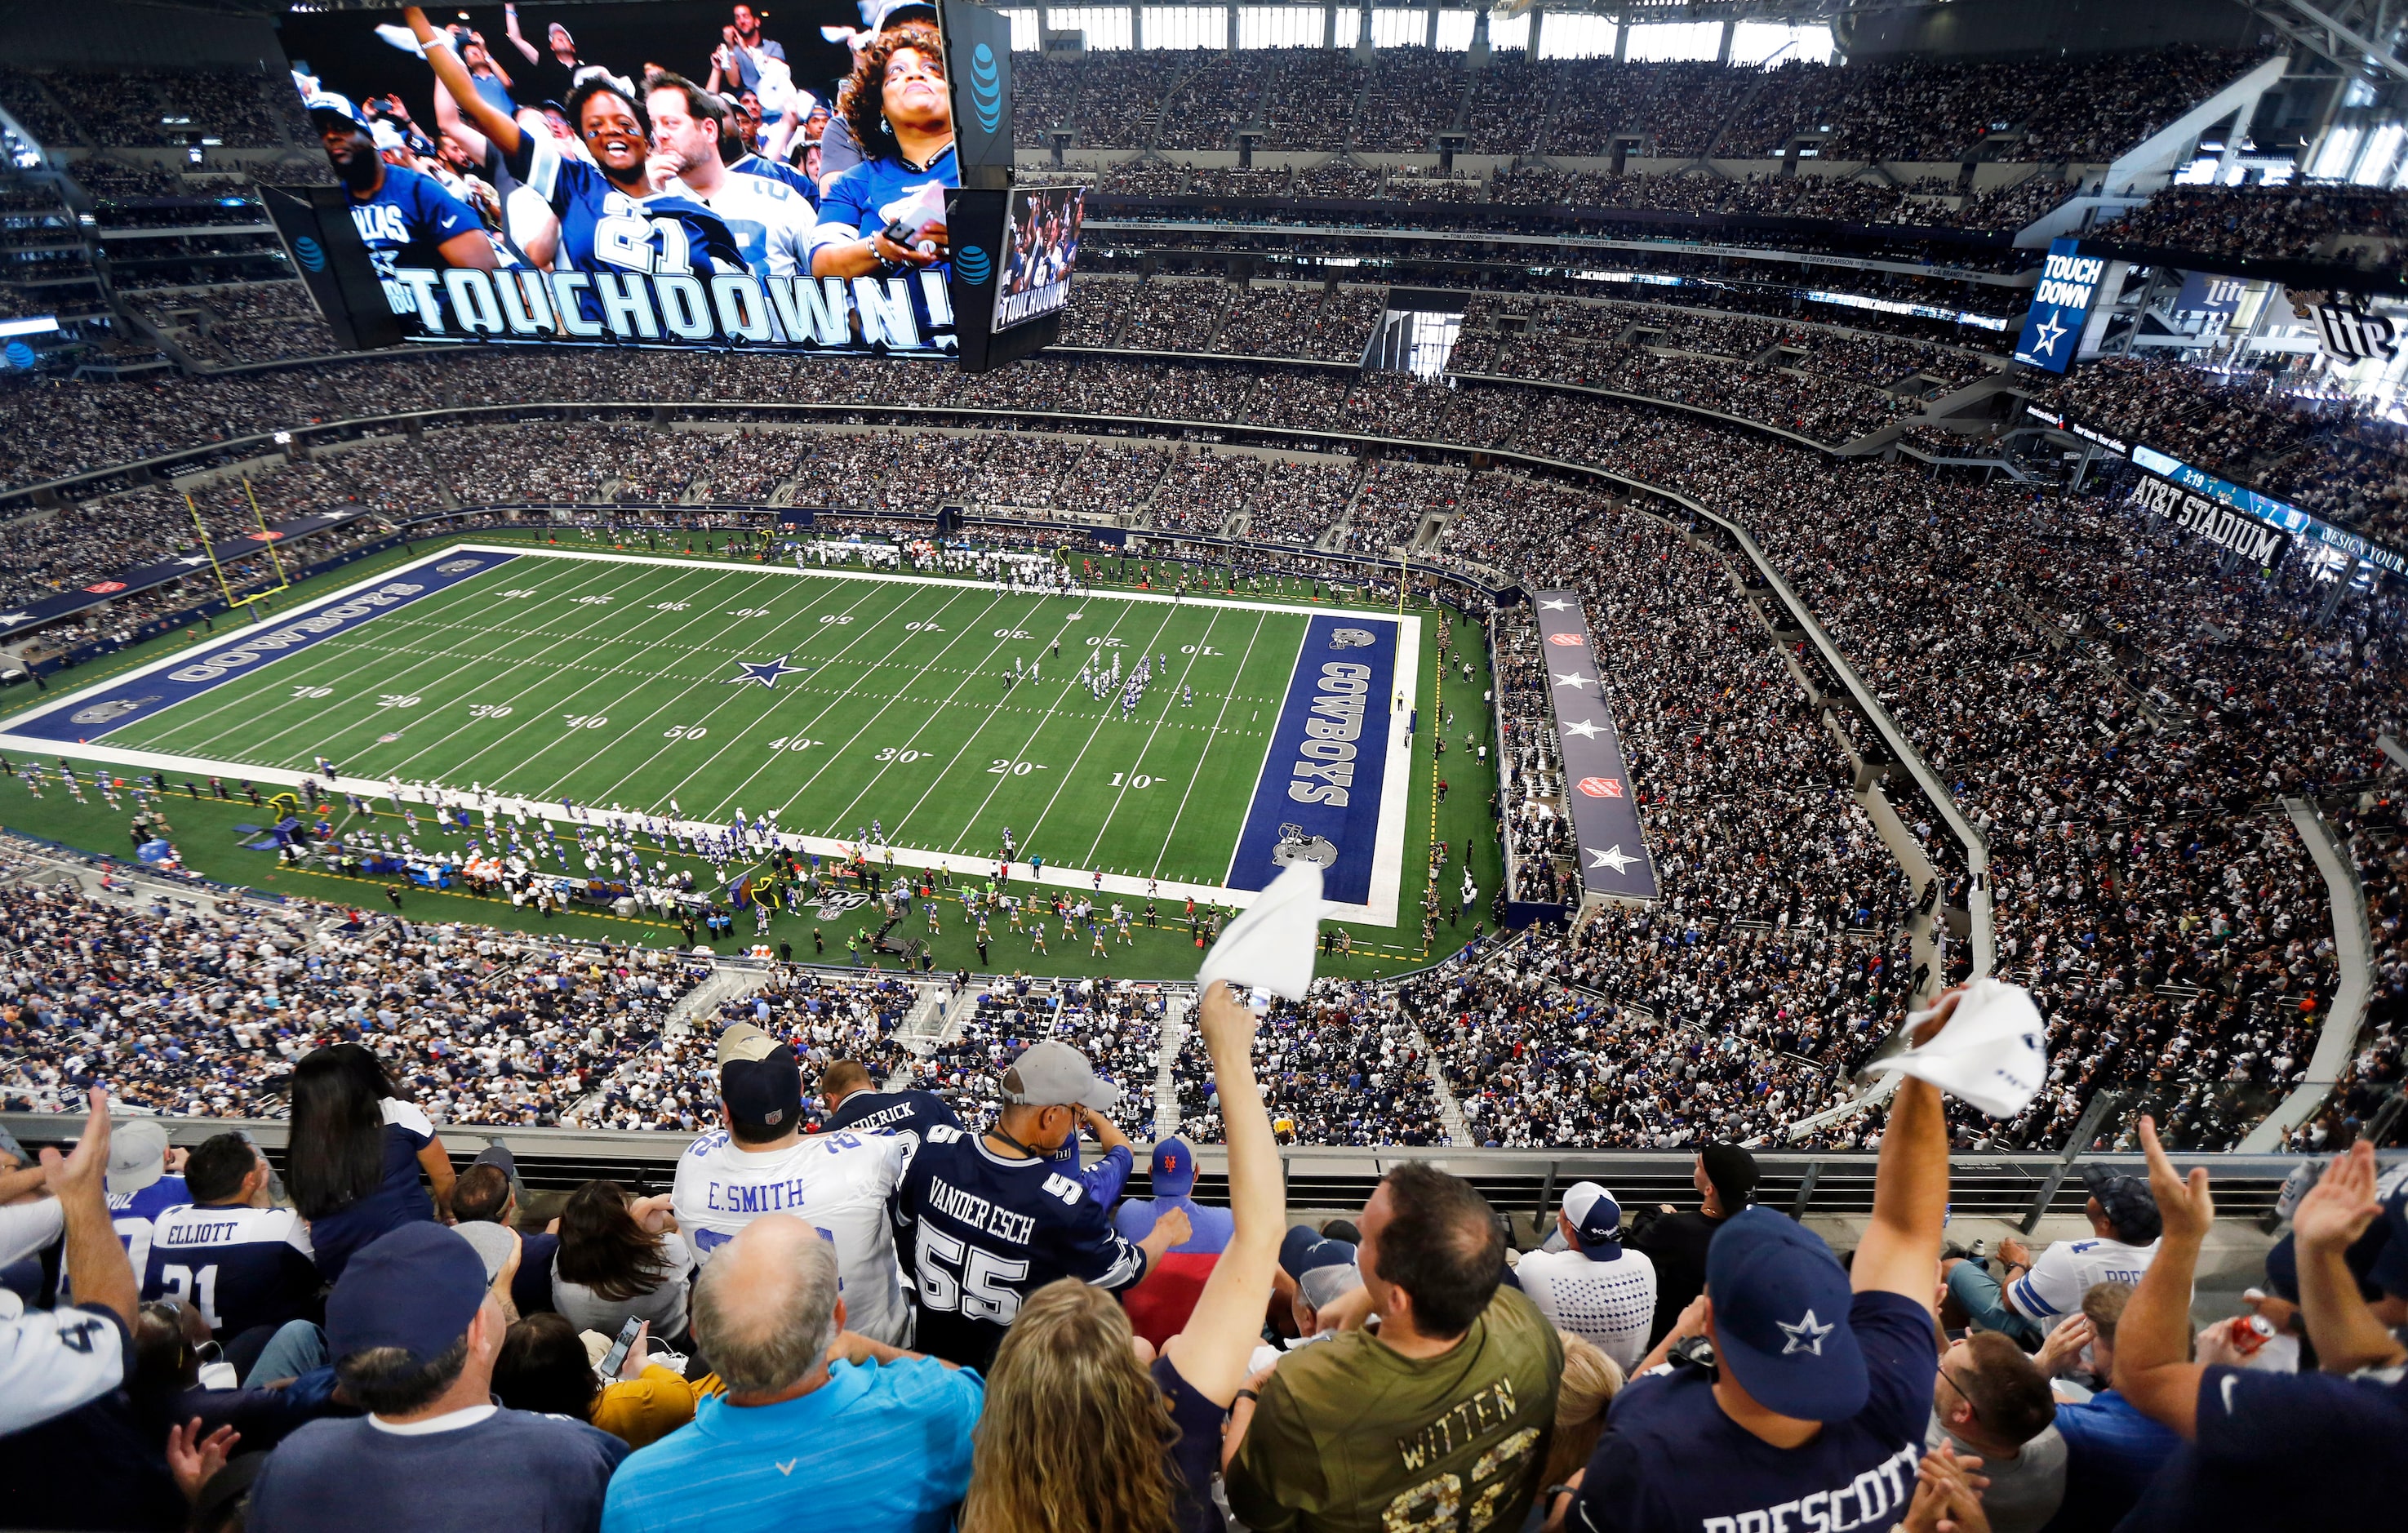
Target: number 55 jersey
983 1231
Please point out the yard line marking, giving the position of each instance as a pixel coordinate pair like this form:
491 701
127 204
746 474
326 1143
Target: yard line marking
727 695
1195 655
1093 731
796 797
970 736
310 673
897 610
514 698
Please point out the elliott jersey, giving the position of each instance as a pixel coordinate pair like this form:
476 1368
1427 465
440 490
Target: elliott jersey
244 1267
603 228
986 1231
839 1183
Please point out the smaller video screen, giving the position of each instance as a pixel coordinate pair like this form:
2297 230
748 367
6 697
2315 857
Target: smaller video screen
1040 239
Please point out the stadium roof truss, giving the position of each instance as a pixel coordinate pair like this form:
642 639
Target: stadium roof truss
2354 34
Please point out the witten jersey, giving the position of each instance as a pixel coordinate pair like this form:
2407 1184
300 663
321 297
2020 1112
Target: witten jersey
986 1231
837 1183
603 227
244 1267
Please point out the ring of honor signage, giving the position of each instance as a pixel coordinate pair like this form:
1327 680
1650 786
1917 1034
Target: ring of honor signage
1614 861
2060 306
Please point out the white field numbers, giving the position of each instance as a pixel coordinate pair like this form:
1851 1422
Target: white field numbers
998 766
685 731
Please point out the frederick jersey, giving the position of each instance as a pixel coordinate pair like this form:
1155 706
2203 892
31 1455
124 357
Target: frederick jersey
405 223
602 227
985 1231
243 1267
839 1183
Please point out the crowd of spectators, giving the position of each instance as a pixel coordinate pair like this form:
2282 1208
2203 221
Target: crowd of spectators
1342 1066
2292 223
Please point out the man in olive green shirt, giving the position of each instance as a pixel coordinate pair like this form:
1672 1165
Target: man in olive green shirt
1440 1418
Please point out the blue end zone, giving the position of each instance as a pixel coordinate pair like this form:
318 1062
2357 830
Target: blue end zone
1319 794
153 691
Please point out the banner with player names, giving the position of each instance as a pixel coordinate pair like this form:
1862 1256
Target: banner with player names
1615 860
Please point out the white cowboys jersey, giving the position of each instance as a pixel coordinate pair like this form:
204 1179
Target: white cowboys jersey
839 1183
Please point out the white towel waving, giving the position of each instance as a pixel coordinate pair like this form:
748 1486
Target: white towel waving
1992 1053
1270 947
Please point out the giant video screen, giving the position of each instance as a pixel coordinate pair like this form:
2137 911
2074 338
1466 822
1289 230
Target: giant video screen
1041 244
653 175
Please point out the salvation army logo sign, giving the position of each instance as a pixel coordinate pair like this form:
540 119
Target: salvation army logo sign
105 587
1600 787
1570 641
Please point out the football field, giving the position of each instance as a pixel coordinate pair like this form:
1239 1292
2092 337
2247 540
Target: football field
923 713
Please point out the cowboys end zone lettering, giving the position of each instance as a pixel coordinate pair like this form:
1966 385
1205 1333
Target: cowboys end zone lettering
2059 306
156 688
644 308
1318 798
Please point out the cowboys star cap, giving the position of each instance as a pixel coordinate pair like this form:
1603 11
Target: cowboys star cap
1781 1317
1053 1074
2127 1201
327 101
137 1155
1598 1220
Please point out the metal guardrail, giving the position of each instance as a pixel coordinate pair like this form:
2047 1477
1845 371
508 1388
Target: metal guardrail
1835 1184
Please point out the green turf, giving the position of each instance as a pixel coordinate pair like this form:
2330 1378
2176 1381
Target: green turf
878 689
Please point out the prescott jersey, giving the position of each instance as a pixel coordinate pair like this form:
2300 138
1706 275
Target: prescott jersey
244 1267
405 222
986 1231
839 1183
2065 1272
135 1214
603 227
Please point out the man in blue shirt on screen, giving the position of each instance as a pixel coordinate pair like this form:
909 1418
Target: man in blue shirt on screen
406 217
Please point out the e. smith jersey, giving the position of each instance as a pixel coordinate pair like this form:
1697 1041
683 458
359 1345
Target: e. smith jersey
244 1267
986 1231
837 1183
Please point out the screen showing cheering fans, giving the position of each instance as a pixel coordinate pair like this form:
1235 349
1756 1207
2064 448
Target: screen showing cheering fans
656 175
1040 246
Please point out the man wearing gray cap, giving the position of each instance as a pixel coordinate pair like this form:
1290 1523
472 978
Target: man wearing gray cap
989 1219
144 1182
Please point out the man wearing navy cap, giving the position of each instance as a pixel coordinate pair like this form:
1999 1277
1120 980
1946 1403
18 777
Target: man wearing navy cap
406 217
1814 1414
1596 1286
2040 1294
413 1330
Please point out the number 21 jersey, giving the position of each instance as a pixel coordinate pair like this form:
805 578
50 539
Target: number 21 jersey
984 1231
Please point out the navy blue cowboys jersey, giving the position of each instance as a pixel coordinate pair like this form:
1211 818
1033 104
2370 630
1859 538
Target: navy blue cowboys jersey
985 1231
906 1112
244 1267
602 227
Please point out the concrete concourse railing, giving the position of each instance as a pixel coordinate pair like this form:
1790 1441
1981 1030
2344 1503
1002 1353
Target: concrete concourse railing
2354 952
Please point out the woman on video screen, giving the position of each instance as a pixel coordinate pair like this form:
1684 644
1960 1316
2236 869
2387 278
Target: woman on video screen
896 103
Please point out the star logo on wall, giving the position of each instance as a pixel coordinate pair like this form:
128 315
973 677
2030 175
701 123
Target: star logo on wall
1584 729
1613 856
1555 606
1575 680
765 672
2046 334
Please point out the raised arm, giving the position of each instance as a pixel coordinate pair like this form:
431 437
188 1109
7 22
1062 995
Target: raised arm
2342 1326
511 30
2153 1367
96 1258
489 120
1211 1353
1899 1253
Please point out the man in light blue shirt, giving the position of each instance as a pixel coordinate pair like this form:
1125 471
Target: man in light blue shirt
817 1424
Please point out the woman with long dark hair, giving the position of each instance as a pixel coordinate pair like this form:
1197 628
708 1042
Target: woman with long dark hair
546 1367
619 1261
356 1154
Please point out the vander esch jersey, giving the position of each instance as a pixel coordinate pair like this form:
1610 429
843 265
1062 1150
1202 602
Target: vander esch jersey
837 1183
244 1267
986 1231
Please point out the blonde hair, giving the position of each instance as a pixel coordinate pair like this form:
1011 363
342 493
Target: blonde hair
1591 1380
1072 1437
